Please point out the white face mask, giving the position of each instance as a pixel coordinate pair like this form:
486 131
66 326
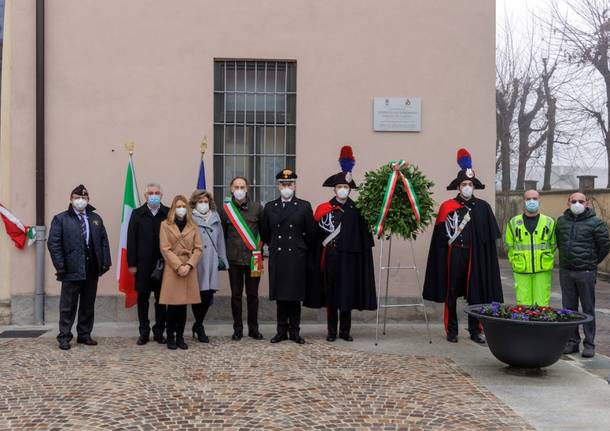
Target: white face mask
239 194
79 204
577 208
343 192
466 192
287 192
181 212
203 207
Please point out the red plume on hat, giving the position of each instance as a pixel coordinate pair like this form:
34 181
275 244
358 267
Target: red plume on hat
466 173
346 159
464 159
347 162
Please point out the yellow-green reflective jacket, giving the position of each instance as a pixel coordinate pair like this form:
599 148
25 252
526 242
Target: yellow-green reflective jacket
531 253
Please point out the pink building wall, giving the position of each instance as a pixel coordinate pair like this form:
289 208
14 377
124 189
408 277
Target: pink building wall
142 70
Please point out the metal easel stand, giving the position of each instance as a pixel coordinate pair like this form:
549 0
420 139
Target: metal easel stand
385 304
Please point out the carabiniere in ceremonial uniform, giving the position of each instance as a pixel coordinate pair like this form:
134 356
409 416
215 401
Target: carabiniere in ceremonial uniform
288 229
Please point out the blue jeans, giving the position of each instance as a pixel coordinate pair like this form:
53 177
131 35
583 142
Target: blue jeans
579 286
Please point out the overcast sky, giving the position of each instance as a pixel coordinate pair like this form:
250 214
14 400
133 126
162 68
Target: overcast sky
519 12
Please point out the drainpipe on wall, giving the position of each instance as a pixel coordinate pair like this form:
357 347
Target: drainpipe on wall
40 167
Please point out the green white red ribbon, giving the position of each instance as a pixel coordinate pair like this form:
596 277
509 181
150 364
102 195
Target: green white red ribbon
242 228
253 243
389 195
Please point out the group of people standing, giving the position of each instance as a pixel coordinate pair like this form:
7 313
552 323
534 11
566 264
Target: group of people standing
532 239
320 258
463 259
175 253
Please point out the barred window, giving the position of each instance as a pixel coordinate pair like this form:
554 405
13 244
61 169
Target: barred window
254 124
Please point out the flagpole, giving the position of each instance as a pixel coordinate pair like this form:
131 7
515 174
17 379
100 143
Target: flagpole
131 200
130 146
204 146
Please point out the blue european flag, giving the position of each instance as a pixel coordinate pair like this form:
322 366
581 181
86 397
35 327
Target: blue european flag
201 179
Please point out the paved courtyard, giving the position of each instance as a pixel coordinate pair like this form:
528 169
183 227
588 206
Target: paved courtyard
240 386
404 383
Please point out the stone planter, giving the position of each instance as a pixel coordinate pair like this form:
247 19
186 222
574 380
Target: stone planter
526 344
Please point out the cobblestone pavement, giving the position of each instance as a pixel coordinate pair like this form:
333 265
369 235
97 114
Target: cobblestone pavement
237 386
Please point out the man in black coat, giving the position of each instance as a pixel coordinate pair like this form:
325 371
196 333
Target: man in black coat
583 242
288 228
463 260
80 252
347 258
143 253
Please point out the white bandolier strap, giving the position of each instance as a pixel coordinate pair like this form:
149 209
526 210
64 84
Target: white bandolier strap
332 236
459 228
327 224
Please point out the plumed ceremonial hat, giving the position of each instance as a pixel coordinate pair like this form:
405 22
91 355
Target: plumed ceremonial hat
347 162
466 172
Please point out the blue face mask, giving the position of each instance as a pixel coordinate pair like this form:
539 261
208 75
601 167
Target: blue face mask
154 200
532 205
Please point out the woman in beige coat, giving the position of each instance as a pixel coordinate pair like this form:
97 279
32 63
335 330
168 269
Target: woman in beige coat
180 243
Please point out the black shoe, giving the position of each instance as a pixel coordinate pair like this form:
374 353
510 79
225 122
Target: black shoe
237 335
571 348
87 341
171 343
279 337
297 339
477 338
452 338
346 337
159 338
64 345
331 337
181 344
256 335
588 352
199 334
142 340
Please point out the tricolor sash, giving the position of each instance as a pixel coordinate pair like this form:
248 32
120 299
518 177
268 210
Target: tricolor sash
253 243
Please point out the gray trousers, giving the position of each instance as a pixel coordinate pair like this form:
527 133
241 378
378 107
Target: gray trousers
575 286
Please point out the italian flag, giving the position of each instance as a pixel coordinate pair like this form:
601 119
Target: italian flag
130 201
19 233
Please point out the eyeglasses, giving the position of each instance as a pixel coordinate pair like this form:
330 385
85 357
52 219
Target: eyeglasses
574 201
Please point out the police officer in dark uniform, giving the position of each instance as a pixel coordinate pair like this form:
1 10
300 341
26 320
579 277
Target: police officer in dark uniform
80 252
288 229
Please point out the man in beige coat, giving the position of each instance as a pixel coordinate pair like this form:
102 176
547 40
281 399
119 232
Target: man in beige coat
180 244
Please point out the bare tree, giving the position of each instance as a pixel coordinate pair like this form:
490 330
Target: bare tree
525 123
584 25
507 92
551 120
506 103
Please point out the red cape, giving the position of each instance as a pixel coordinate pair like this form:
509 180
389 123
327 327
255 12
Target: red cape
447 208
322 210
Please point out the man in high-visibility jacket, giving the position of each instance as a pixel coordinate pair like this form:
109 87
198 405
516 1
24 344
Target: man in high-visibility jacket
530 242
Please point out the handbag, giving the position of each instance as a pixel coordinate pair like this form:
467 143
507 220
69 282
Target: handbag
157 272
221 264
